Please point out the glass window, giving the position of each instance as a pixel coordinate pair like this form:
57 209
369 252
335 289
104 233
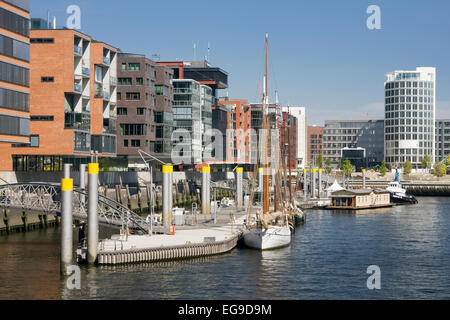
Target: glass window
134 66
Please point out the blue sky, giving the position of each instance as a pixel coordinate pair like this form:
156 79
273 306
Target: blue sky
322 56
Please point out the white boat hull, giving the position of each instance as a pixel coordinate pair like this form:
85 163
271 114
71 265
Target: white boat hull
266 239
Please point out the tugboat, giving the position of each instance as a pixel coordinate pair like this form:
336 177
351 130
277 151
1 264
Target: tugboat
398 194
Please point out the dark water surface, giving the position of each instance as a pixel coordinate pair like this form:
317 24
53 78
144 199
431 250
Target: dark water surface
327 259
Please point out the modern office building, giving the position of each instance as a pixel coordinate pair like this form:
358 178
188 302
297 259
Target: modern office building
144 109
238 133
410 106
367 134
72 101
300 114
442 139
189 100
315 143
14 78
213 77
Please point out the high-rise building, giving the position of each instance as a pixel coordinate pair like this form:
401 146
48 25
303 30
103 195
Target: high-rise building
14 78
144 109
189 100
315 144
442 139
72 101
300 114
289 140
410 107
238 139
352 134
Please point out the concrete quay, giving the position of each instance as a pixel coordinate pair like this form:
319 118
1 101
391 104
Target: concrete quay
186 242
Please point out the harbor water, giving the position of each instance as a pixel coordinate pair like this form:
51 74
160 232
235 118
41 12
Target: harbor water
328 259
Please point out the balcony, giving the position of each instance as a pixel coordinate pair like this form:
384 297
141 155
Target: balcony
77 50
106 95
182 90
77 88
86 72
110 126
113 81
106 61
77 121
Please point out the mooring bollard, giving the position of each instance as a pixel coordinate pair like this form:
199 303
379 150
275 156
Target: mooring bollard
239 189
261 178
167 195
66 224
83 183
92 236
305 185
313 183
320 182
364 178
206 187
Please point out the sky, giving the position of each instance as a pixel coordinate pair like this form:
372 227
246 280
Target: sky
321 54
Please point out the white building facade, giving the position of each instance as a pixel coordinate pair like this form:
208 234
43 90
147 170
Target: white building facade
300 114
410 115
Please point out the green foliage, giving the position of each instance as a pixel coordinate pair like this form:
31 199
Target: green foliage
426 162
328 166
348 168
440 169
383 168
319 161
407 167
447 161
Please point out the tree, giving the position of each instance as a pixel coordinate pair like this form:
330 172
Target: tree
319 161
328 166
440 169
348 168
407 167
447 161
426 162
383 168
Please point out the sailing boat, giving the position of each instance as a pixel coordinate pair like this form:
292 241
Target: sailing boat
271 229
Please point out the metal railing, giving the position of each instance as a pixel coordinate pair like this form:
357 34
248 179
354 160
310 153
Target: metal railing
106 61
77 88
77 50
47 198
86 71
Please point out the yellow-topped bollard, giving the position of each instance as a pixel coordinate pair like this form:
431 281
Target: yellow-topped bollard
92 225
239 187
206 194
167 171
66 224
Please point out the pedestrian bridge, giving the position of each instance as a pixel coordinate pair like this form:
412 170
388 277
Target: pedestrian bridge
41 197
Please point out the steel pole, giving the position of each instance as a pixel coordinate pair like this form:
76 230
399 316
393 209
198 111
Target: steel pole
66 224
93 170
320 182
206 198
166 194
83 183
305 185
239 189
313 183
364 178
67 170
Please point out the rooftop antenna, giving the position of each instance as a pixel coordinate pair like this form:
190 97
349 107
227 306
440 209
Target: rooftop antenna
195 47
54 22
276 97
209 50
48 19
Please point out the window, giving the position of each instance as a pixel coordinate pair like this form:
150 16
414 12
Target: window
124 66
133 96
15 100
127 129
14 22
98 74
125 143
14 48
119 96
14 74
134 66
135 143
47 79
140 111
122 111
139 81
124 82
34 141
42 118
42 40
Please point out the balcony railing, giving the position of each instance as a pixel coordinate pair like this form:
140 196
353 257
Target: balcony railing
77 88
77 50
86 71
106 95
113 81
78 121
106 61
182 90
110 126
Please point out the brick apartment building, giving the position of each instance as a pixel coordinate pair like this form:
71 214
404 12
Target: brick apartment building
315 144
288 136
72 101
145 118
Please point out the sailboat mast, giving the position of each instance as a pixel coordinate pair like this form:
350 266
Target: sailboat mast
266 196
